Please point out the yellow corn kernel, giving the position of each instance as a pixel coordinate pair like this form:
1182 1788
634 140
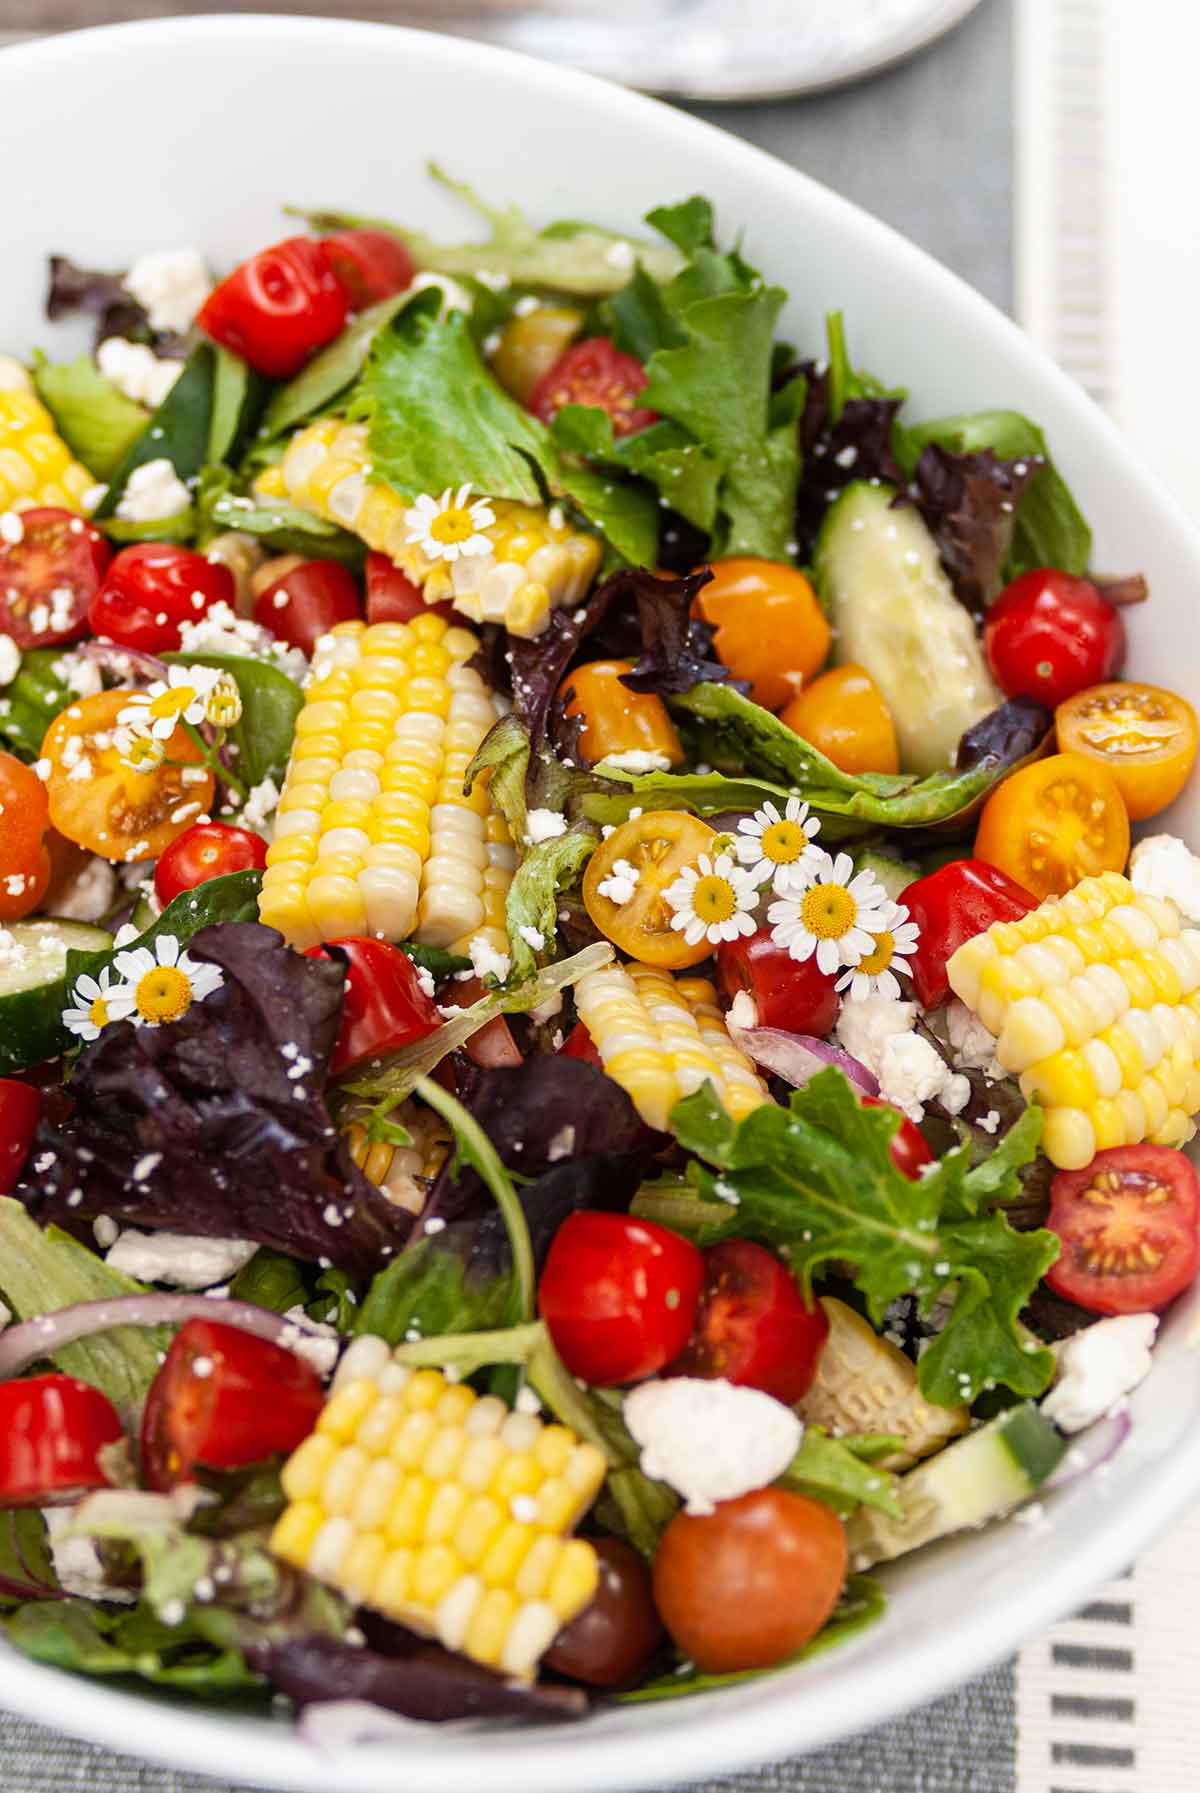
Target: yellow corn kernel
36 466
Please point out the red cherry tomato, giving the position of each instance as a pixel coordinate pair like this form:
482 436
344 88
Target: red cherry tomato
1128 1225
51 1431
952 905
308 601
25 868
493 1047
580 1044
618 1630
49 577
594 372
368 265
752 1324
224 1398
20 1111
207 850
392 597
796 997
150 589
619 1295
384 1006
278 308
908 1148
1049 635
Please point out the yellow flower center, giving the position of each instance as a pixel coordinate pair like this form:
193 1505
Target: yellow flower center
223 706
881 958
713 899
171 703
783 842
144 753
828 911
163 994
454 524
98 1013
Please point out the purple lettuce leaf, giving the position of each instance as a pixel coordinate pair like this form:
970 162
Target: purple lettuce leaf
833 454
969 503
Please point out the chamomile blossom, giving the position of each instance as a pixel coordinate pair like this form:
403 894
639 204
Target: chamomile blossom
894 943
141 753
161 983
223 702
445 527
181 697
713 900
91 1006
778 849
835 918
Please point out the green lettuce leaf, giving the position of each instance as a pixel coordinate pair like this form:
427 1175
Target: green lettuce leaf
30 702
283 527
88 1639
178 432
271 703
95 419
532 900
830 1470
427 1293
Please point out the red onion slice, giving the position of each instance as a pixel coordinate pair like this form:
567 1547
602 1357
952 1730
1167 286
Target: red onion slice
797 1057
1092 1449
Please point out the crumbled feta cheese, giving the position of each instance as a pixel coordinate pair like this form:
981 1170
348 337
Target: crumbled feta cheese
620 883
321 1350
455 296
1164 866
172 285
89 894
635 759
486 961
865 1027
77 1562
425 981
532 937
182 1260
10 659
990 1121
972 1046
137 371
1097 1368
154 491
619 254
80 674
710 1440
222 631
742 1010
12 530
260 804
544 824
878 1032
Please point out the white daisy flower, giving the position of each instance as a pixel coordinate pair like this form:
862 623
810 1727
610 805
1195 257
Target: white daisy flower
141 753
181 698
91 1005
713 900
161 983
778 849
445 527
874 975
835 918
223 702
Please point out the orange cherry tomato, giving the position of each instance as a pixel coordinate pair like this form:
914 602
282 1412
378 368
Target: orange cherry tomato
658 845
616 719
769 627
24 859
1143 736
1053 823
842 714
100 803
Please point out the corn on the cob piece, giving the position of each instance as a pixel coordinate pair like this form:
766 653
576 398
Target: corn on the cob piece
373 833
660 1037
443 1510
864 1383
403 1173
535 563
36 466
1095 997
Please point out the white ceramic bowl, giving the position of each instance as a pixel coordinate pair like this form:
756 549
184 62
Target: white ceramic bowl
197 130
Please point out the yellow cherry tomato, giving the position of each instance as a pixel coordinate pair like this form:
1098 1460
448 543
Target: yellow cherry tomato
842 714
657 845
100 803
1054 822
769 628
531 343
1143 736
616 719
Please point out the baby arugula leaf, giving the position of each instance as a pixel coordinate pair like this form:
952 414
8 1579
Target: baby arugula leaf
816 1181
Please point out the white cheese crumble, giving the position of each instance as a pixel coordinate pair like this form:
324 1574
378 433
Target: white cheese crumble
321 1350
635 759
77 1561
183 1260
486 961
544 824
260 804
532 937
89 894
154 491
742 1010
1164 866
137 371
878 1031
710 1440
10 659
972 1046
620 883
171 284
79 674
1097 1368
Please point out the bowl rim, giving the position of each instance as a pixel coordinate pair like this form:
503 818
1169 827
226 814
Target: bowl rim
717 1736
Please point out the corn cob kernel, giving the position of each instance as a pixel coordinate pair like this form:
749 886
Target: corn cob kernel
404 1173
380 1505
36 466
537 561
1093 997
661 1037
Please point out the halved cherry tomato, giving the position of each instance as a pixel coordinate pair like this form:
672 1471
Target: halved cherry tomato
618 1630
749 1584
368 265
98 802
908 1148
580 1044
493 1047
153 587
384 1006
392 597
616 719
595 372
658 845
618 1295
795 995
24 818
203 851
1054 822
531 344
308 601
20 1111
1143 736
49 577
842 714
278 308
1128 1225
951 906
224 1398
769 627
1049 634
753 1326
52 1429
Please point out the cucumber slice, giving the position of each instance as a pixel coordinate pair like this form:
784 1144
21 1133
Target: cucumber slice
894 874
33 985
980 1477
894 612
